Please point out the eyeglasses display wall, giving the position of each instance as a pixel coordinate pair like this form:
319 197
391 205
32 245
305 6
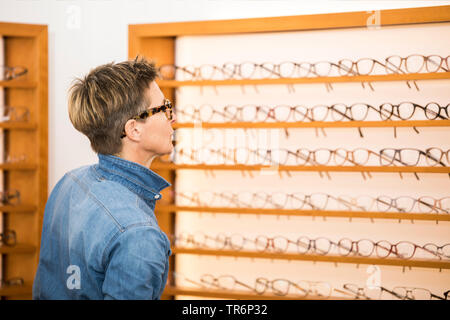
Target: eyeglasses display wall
2 147
23 155
309 164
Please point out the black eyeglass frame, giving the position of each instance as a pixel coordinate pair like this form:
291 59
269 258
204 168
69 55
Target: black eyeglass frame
447 295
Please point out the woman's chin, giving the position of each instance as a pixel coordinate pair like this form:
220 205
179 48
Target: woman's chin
168 150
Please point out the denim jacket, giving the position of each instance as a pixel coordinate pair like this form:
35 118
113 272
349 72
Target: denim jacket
100 237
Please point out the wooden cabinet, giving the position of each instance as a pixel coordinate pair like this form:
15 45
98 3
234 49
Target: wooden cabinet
26 142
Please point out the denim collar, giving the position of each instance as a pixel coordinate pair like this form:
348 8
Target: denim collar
139 179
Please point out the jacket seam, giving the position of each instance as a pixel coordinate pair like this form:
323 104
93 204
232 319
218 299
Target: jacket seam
86 190
96 173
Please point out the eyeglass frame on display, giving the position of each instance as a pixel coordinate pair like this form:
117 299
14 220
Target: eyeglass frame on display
9 114
16 281
404 61
362 289
310 156
390 203
234 113
8 234
9 73
6 195
230 70
411 289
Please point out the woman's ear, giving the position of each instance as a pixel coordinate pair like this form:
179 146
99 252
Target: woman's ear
133 130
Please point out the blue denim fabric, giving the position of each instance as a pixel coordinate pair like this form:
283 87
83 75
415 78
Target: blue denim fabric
100 237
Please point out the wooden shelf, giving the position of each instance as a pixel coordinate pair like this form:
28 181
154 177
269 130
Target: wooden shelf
25 289
341 79
17 249
18 208
420 263
309 213
18 125
17 166
171 166
315 124
18 84
358 19
238 295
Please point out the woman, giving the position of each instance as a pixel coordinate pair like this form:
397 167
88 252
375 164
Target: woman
100 237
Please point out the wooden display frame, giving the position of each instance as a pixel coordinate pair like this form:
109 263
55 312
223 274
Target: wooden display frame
157 42
418 263
315 124
241 295
309 213
25 45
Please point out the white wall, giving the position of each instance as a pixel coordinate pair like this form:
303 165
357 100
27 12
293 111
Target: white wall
87 33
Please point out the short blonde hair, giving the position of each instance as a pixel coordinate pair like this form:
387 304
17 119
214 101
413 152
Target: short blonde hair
103 101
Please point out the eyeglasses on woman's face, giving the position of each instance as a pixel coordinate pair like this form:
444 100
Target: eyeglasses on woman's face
167 108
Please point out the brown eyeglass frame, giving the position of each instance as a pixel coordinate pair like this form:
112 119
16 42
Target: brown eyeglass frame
150 112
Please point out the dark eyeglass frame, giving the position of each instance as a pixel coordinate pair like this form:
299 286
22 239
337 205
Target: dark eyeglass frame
390 248
9 197
387 110
167 106
8 238
12 282
10 73
403 61
360 292
397 156
409 293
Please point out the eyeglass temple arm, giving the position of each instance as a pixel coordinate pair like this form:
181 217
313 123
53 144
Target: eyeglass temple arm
390 249
356 294
349 204
392 293
308 202
437 297
447 294
390 204
244 285
233 199
15 73
393 159
271 70
439 65
428 205
323 251
392 114
432 158
438 114
306 114
398 70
